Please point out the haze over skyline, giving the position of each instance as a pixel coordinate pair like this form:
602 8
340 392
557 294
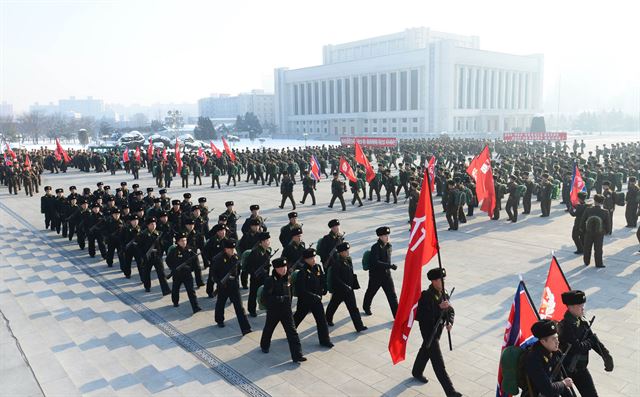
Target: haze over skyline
167 51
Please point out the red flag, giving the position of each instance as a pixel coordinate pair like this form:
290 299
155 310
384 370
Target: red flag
164 154
432 171
202 155
11 152
518 332
27 162
232 156
61 152
577 185
423 245
346 169
480 170
178 158
150 150
125 155
137 154
551 306
362 159
215 150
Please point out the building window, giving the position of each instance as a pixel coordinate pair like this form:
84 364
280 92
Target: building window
375 129
335 130
415 120
384 129
295 100
366 129
383 92
404 129
415 129
404 119
316 98
356 97
339 109
393 120
374 93
393 80
365 98
325 130
344 130
403 90
324 97
414 90
353 130
366 121
375 121
347 95
394 129
331 92
384 120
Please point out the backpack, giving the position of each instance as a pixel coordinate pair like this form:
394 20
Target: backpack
594 224
514 376
521 190
366 260
262 299
244 263
619 198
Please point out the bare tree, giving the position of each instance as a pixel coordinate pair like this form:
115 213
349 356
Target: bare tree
32 125
139 120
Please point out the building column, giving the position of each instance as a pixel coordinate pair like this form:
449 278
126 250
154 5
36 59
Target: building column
473 76
481 79
465 82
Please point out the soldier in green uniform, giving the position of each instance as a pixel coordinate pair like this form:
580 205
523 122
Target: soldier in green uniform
150 250
308 186
286 190
184 174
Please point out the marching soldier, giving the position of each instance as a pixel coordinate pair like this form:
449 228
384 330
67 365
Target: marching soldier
225 269
390 186
310 288
184 174
128 237
79 219
540 362
150 250
574 330
215 175
285 231
247 242
47 206
633 199
594 224
286 190
337 190
231 219
308 187
380 267
258 269
112 231
277 295
193 241
255 214
414 197
512 201
181 260
343 282
452 198
93 224
213 247
326 246
293 251
433 312
576 234
545 195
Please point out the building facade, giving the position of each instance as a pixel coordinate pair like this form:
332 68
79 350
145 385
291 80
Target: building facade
413 82
224 106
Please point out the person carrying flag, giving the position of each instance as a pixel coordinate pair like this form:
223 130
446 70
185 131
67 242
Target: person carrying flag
576 340
432 307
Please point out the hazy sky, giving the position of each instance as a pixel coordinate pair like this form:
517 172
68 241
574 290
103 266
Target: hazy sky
178 51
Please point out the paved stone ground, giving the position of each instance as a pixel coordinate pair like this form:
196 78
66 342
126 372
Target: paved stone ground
85 329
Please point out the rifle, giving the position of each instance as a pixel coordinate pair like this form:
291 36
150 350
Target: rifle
231 275
260 271
439 322
93 228
181 266
574 362
146 255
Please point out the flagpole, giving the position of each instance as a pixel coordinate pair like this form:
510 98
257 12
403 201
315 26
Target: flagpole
435 232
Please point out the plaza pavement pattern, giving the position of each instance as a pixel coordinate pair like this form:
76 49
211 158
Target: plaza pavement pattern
86 330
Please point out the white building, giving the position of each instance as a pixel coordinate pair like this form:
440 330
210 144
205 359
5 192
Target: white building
221 106
410 82
6 109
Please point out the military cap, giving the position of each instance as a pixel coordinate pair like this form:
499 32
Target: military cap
292 214
118 189
47 188
598 198
73 196
175 202
296 231
632 179
606 183
543 328
163 213
123 183
107 187
72 188
264 236
343 246
285 172
149 189
222 217
115 210
308 253
254 222
110 197
228 243
151 220
96 205
574 297
195 207
384 230
124 206
188 221
138 193
82 200
202 199
180 236
59 190
228 204
187 195
279 262
334 222
217 227
156 200
134 217
436 273
99 184
254 207
162 191
135 186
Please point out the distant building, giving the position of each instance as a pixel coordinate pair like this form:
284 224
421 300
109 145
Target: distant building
412 82
6 109
225 106
73 107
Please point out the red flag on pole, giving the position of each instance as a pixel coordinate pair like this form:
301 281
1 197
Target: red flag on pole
150 150
137 154
346 169
125 155
423 245
362 159
164 154
232 156
577 185
432 171
10 151
480 170
215 150
61 152
202 155
551 306
27 162
178 158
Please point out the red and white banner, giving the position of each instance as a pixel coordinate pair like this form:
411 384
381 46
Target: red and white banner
346 169
534 136
551 306
368 141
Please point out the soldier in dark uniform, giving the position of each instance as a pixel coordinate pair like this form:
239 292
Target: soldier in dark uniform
545 195
540 362
434 308
197 172
375 184
232 220
293 251
414 197
380 267
337 190
175 215
308 187
185 204
215 175
277 296
93 224
148 199
452 197
576 234
326 246
286 190
165 201
255 214
594 224
247 242
526 199
574 330
225 269
150 250
181 260
71 211
112 231
310 288
79 219
512 201
204 210
632 200
389 185
184 174
193 241
128 236
258 269
609 204
343 282
285 231
58 211
212 248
